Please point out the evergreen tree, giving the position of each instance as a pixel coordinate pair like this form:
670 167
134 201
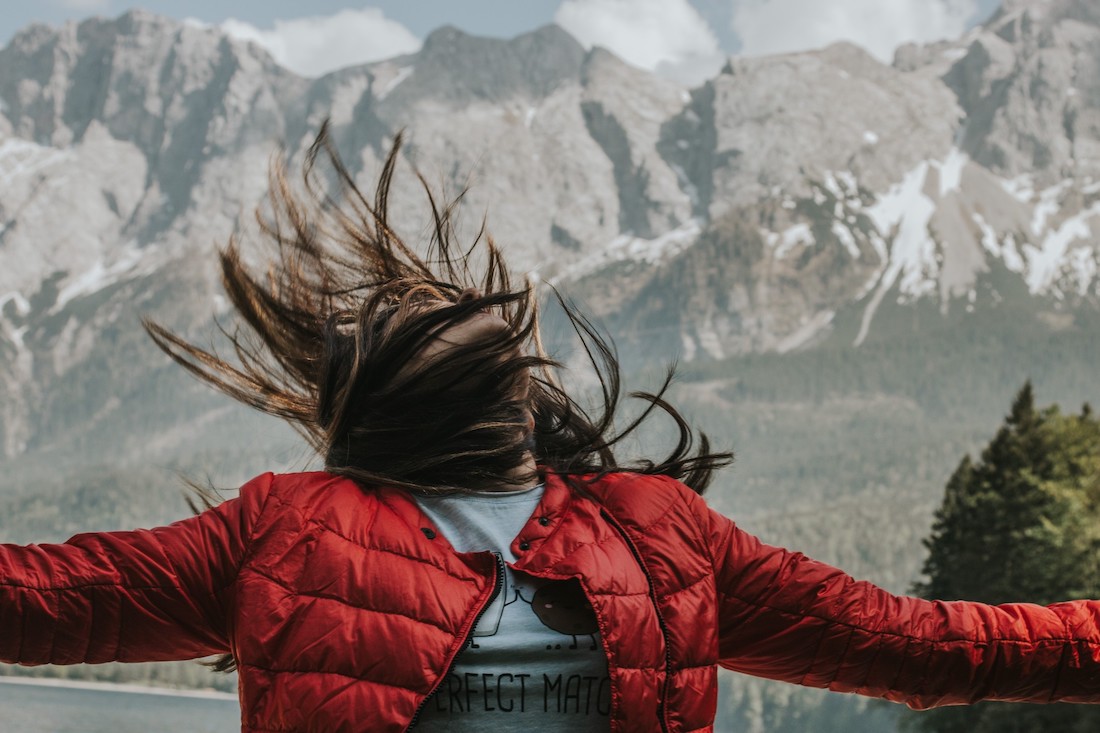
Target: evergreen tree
1020 525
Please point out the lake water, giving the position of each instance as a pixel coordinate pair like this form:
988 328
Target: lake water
36 707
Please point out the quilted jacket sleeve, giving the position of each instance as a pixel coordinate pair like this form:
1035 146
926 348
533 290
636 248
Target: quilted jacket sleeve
146 595
787 617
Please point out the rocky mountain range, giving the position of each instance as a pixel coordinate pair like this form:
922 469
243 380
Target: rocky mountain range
787 202
794 219
128 147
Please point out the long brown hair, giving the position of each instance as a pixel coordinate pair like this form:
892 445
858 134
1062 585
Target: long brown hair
333 327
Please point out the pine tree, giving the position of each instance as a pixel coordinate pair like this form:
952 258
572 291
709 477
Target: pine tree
1021 524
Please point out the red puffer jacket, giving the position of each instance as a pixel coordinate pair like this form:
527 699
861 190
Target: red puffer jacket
345 608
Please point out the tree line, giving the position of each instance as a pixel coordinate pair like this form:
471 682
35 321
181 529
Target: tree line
1019 523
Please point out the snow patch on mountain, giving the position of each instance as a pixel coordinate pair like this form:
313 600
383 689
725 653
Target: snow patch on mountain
1002 248
1054 257
843 186
927 221
23 158
1083 264
801 336
1047 206
844 235
22 305
8 329
796 235
102 274
905 211
1022 188
951 169
393 82
635 249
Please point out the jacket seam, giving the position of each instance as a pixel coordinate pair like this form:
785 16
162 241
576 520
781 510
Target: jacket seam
1060 668
911 637
690 667
817 651
684 588
229 581
618 594
311 672
368 609
920 688
871 665
375 548
699 528
89 585
249 549
552 561
900 668
649 525
840 658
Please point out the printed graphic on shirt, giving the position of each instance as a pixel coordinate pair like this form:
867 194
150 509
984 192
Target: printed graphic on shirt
535 650
560 605
566 695
535 659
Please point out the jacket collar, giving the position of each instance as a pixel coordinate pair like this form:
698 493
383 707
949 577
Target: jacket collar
540 542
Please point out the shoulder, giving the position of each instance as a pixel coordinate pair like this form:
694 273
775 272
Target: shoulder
645 500
308 485
307 496
664 519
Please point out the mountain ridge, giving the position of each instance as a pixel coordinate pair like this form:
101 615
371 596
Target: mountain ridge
831 181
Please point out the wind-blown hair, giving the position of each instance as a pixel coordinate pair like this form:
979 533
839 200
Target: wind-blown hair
333 329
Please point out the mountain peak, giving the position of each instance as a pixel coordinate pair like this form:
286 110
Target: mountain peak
1046 12
456 65
443 35
552 33
547 41
1015 6
137 19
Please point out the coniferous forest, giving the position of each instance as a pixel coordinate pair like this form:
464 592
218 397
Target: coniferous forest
1020 523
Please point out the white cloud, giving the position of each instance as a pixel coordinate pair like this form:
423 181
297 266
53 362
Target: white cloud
317 45
694 70
880 26
646 33
84 5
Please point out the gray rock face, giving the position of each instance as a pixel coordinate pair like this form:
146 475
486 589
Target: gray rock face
460 69
777 123
1029 86
181 94
738 216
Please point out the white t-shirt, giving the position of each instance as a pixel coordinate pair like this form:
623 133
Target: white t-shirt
535 660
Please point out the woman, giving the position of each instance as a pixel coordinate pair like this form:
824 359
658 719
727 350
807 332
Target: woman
473 557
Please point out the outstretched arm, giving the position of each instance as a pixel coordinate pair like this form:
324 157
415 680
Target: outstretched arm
146 595
785 616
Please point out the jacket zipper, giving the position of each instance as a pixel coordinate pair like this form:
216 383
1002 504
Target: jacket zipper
498 584
661 709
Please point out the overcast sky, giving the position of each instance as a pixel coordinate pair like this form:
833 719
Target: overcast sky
323 35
